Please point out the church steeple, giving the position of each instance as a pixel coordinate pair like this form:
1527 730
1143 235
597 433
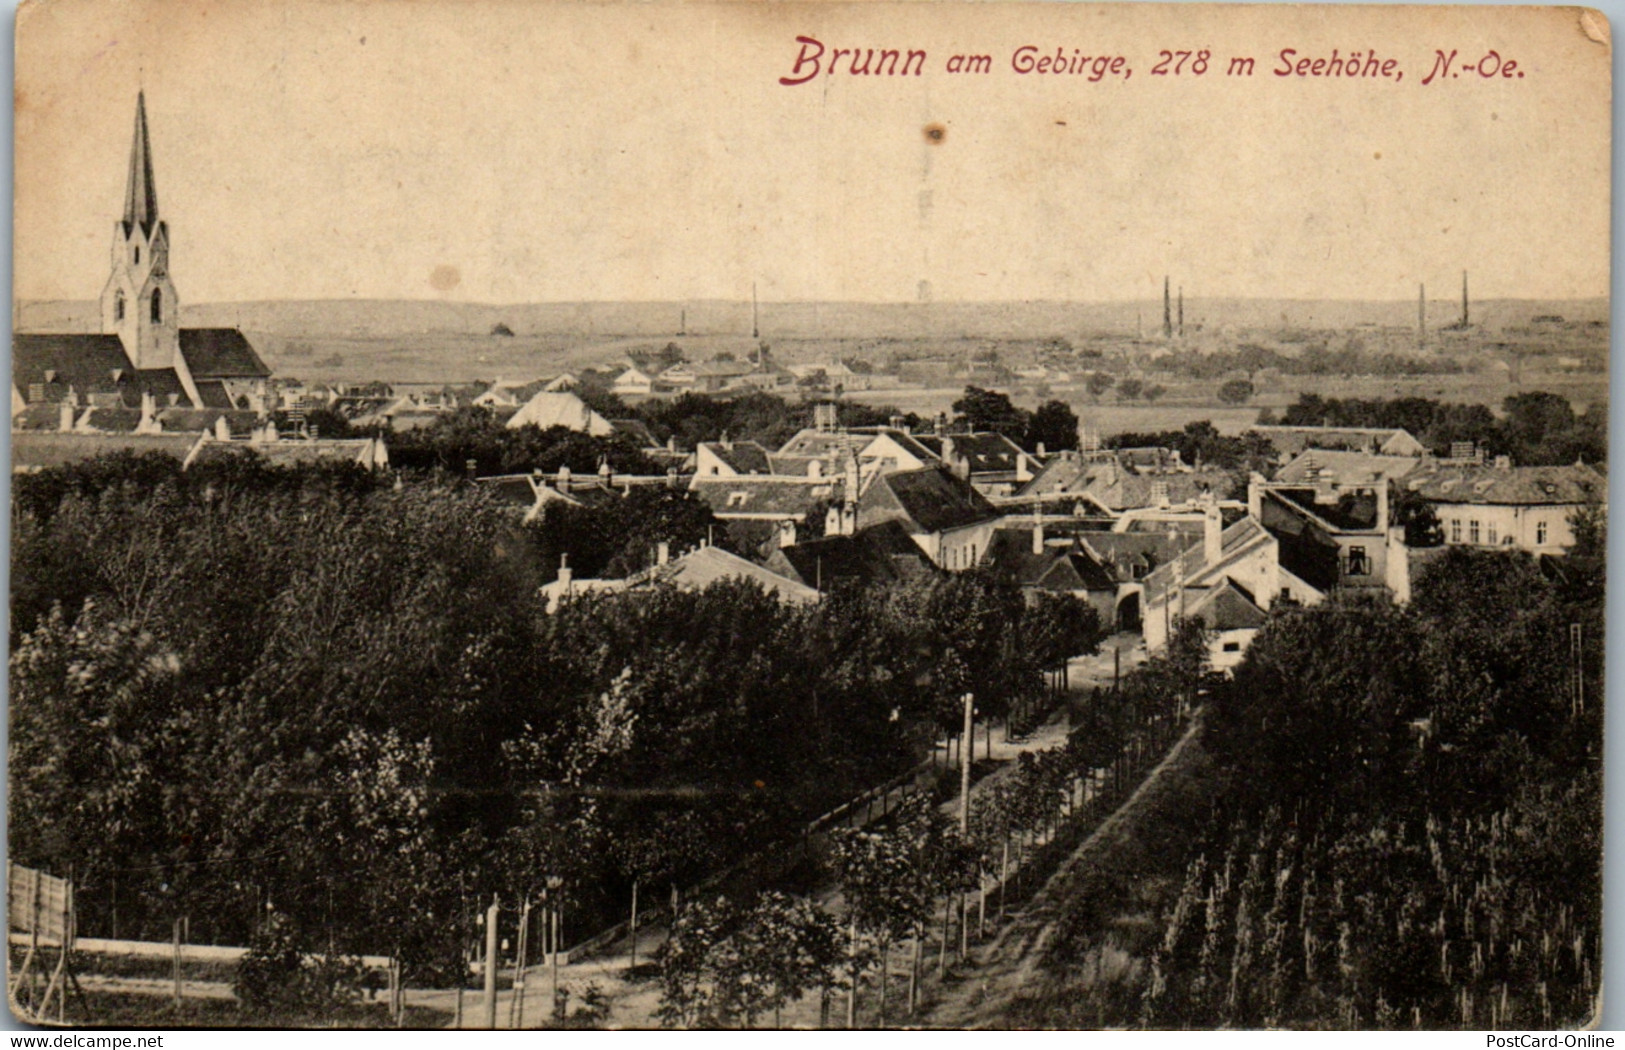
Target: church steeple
139 302
141 193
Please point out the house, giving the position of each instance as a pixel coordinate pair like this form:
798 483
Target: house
633 382
1328 466
1131 557
991 462
1499 505
500 394
882 554
1228 583
706 565
1022 556
1107 482
948 519
1382 441
38 450
547 409
141 349
1332 537
731 459
783 502
369 453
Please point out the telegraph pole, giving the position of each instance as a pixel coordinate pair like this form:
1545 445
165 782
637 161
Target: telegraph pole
964 764
491 965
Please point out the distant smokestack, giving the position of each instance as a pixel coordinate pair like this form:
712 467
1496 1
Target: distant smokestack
1421 315
1464 299
1167 317
755 326
1181 311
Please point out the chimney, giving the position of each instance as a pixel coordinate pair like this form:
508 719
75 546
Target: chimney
1212 532
787 533
1040 448
222 429
671 477
849 494
471 467
1503 462
1255 496
562 479
64 417
671 444
662 552
1382 522
270 430
566 574
942 423
1038 533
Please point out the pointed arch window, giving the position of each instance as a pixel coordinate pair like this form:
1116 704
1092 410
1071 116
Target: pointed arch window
137 255
157 306
118 306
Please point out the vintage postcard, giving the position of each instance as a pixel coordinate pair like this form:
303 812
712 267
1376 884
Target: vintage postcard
808 515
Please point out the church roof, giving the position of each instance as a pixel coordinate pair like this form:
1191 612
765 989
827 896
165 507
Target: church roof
220 353
140 192
91 364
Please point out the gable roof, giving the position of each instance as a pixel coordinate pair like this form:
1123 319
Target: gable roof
1345 468
88 363
1290 441
220 353
37 450
1057 568
984 452
759 495
930 499
1228 607
1525 486
707 565
883 553
561 409
745 457
635 429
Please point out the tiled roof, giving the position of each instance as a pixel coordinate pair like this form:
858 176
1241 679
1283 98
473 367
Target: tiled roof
197 420
1058 568
36 450
1228 607
819 444
745 457
1526 486
1345 468
753 495
883 553
1293 440
1127 552
220 353
985 452
110 420
88 363
707 565
931 498
212 392
561 410
635 429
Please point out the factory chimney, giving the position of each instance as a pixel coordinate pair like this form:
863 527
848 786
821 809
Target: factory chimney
1167 318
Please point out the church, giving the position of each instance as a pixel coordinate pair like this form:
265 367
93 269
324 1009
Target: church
142 362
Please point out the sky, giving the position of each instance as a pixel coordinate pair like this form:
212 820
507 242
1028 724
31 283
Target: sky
536 152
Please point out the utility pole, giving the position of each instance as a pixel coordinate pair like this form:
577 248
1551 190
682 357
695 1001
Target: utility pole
491 914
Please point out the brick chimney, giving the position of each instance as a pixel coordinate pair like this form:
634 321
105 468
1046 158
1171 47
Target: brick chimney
662 552
566 574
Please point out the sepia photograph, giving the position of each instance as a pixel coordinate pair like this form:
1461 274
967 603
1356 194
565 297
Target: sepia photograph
724 515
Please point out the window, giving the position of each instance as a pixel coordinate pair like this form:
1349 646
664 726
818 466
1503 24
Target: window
157 306
1232 647
1472 530
118 307
1540 533
1358 563
1489 533
1455 530
138 255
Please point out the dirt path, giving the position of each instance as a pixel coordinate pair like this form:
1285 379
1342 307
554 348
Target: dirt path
1008 965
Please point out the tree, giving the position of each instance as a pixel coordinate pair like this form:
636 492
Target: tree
1054 425
1236 392
1417 517
1153 392
988 410
1098 383
1130 388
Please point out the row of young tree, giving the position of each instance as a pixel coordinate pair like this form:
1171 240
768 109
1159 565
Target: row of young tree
240 690
1404 823
915 872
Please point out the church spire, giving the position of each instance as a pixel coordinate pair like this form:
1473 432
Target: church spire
141 194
